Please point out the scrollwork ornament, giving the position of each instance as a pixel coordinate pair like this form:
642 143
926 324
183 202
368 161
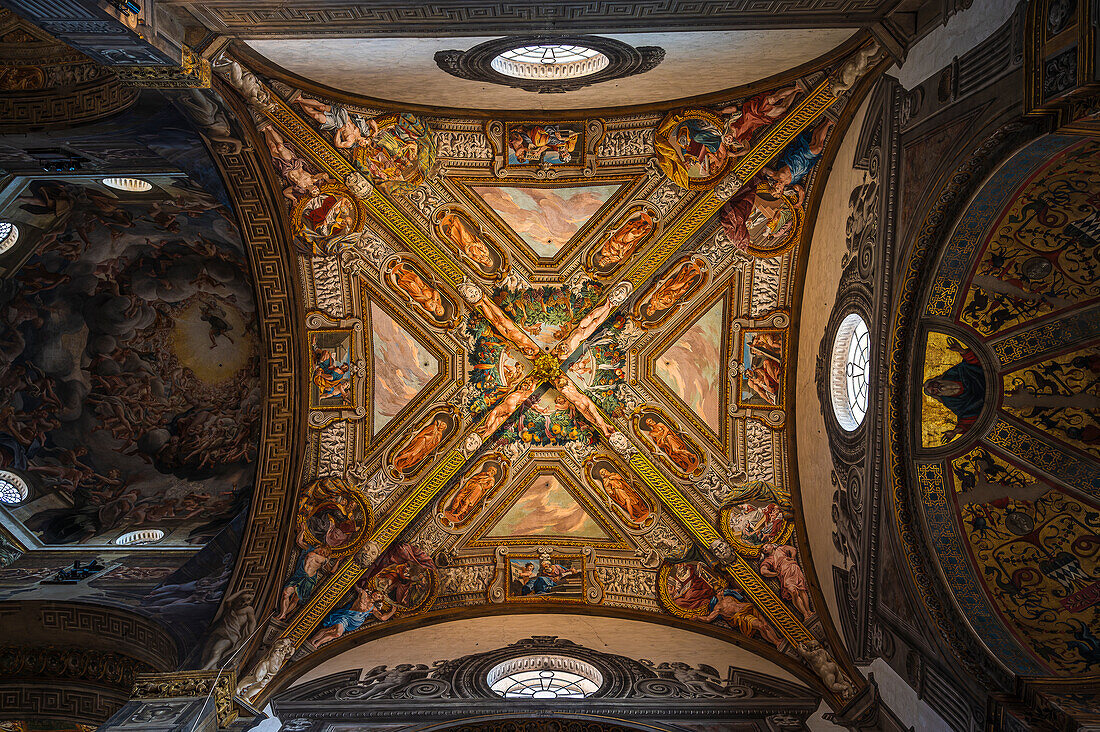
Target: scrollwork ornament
729 185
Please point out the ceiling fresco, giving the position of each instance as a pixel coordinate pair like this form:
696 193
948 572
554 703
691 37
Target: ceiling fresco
130 364
547 364
1005 424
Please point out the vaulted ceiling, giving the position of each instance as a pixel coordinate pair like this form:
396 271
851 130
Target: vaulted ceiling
443 349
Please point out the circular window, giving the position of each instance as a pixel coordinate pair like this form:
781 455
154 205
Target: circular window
133 185
544 677
13 489
550 61
850 371
9 234
139 537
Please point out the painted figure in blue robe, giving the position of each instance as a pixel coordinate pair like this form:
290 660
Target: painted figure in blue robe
352 617
797 160
549 576
699 142
961 389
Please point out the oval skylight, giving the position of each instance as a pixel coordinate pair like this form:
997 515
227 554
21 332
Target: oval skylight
131 185
550 61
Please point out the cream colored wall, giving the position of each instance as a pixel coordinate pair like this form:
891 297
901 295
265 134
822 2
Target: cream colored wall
404 69
632 638
819 294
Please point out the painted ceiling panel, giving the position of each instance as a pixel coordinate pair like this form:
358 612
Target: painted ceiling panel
606 426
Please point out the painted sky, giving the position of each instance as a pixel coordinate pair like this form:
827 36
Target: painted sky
546 218
402 367
547 509
690 366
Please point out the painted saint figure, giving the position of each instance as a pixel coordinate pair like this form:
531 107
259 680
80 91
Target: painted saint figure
701 145
758 112
528 143
798 159
733 607
420 446
689 589
454 228
622 243
331 374
674 288
351 618
328 215
463 503
671 444
779 561
961 389
548 577
292 167
303 580
623 495
409 282
756 199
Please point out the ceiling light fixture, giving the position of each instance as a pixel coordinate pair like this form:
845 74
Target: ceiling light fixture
131 185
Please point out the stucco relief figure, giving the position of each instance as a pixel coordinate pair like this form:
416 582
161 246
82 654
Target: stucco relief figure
367 604
268 667
623 495
671 444
469 497
779 561
420 448
347 131
457 229
292 167
625 239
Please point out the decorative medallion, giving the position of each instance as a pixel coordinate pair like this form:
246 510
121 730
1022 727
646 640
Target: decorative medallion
691 150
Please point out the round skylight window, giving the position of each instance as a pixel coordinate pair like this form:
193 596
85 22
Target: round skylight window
550 61
139 537
132 185
9 234
13 489
544 677
850 371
